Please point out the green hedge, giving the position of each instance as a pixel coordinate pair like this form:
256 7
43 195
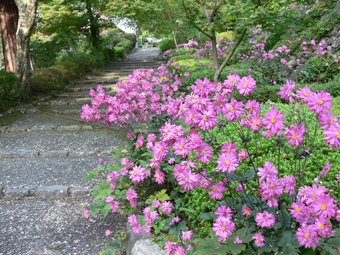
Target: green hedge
166 44
120 52
7 83
126 44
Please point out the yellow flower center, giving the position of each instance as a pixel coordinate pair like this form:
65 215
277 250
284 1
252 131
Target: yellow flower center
166 131
219 102
322 226
258 240
245 85
223 228
320 101
314 196
255 123
273 120
272 185
180 147
214 189
337 134
305 94
228 150
232 109
297 209
232 79
323 207
135 173
203 152
205 118
306 235
294 137
191 116
227 162
331 121
186 179
251 109
160 149
313 214
246 210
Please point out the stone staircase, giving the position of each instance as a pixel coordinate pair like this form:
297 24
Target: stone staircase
45 153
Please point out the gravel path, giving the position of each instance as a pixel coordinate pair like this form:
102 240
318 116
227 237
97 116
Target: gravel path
31 226
55 224
41 172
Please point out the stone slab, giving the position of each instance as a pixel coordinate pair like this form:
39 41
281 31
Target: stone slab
3 128
57 191
54 153
131 239
2 187
42 250
32 111
69 128
17 129
72 111
86 127
80 192
17 193
43 128
83 153
33 153
146 247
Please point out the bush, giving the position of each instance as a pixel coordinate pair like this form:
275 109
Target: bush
166 44
69 69
126 44
39 84
120 52
109 54
132 38
226 35
8 84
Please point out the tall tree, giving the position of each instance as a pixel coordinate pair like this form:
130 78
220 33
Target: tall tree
17 21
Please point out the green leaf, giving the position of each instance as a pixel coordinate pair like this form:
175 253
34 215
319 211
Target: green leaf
103 194
211 247
186 209
335 242
206 216
106 210
249 175
108 252
236 248
290 250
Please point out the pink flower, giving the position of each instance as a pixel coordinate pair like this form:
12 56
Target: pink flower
258 239
253 107
131 194
268 171
223 211
204 153
175 220
237 240
307 236
255 123
320 102
265 219
229 147
333 135
313 193
246 211
207 120
160 150
124 171
246 85
223 228
168 247
159 176
107 232
326 120
166 207
181 147
156 203
286 91
299 209
290 184
217 191
186 235
137 174
272 188
233 110
179 251
151 137
295 135
324 206
273 121
325 169
86 213
227 162
243 154
322 227
189 180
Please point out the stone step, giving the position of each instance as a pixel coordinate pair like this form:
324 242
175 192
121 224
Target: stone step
112 87
80 95
99 81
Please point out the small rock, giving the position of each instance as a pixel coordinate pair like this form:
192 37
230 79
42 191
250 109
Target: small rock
42 250
131 239
147 247
17 193
87 127
54 153
3 128
52 191
81 192
1 190
69 128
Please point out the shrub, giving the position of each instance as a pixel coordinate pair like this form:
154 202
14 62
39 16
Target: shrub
126 44
132 38
120 52
68 68
8 87
39 84
226 35
166 44
109 54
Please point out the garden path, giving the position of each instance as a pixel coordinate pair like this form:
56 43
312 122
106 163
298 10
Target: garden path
49 146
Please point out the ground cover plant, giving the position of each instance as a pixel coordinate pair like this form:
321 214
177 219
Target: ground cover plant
208 173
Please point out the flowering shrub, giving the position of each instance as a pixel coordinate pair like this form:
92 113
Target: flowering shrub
261 203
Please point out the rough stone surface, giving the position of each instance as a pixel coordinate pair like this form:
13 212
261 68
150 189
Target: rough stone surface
31 153
87 127
57 191
17 193
132 238
84 153
69 128
80 192
43 250
1 190
16 129
54 153
43 128
3 128
32 111
146 247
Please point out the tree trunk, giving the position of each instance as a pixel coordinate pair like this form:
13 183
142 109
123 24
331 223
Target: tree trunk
27 10
8 27
214 53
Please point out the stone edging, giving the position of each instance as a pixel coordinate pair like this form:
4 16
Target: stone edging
45 128
36 153
49 192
